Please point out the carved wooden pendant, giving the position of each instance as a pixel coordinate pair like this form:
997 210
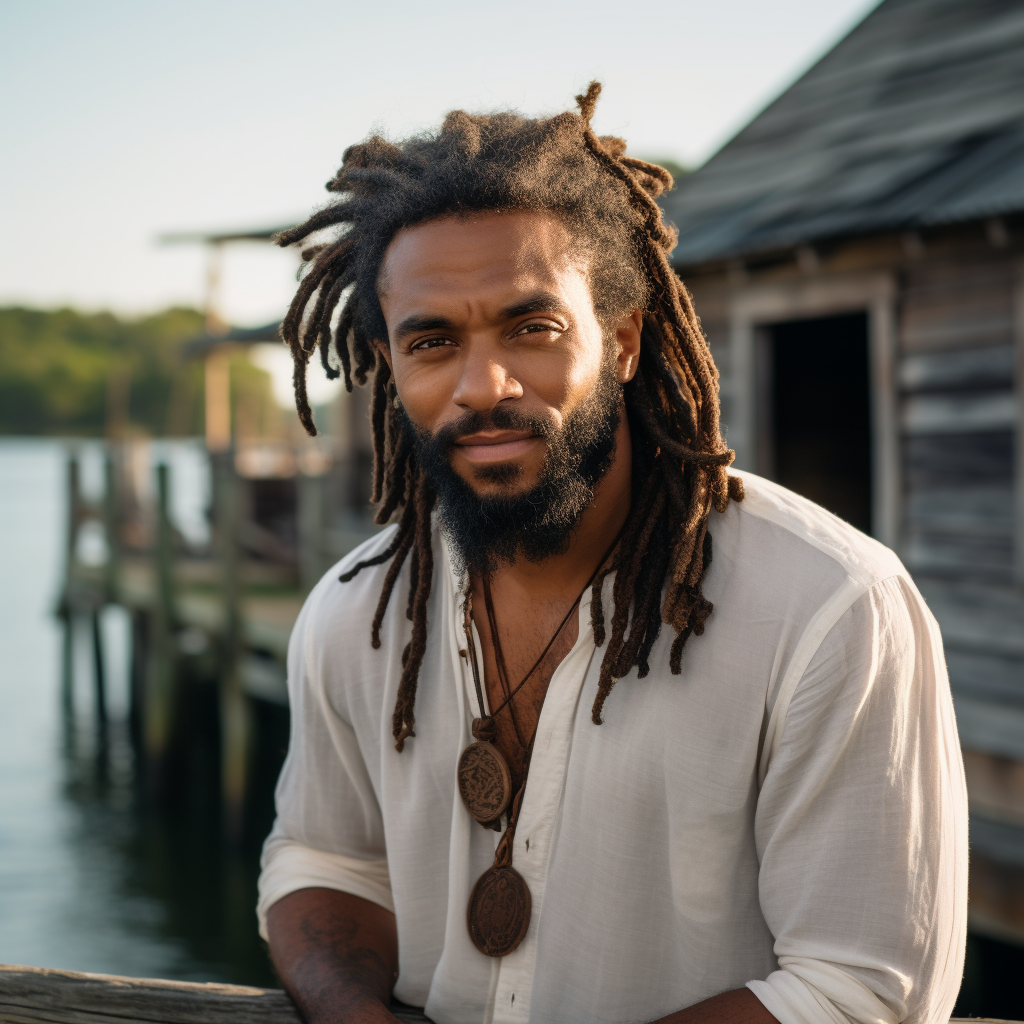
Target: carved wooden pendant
499 911
484 781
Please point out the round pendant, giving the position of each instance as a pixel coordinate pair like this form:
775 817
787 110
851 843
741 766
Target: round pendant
499 911
484 781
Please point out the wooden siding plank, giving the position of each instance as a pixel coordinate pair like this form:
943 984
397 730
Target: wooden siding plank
959 369
959 414
978 617
952 460
960 557
986 676
991 729
995 786
972 511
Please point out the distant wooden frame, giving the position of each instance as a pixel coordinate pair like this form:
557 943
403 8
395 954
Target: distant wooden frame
1018 487
755 305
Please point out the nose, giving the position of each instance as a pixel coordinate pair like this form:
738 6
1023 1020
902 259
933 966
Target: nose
484 381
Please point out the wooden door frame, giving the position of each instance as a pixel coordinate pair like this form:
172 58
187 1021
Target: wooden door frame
752 306
1018 483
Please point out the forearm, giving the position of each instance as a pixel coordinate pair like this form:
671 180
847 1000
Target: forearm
336 954
740 1006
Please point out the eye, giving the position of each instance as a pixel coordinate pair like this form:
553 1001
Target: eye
538 327
429 343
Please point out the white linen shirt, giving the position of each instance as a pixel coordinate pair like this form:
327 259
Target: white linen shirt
789 813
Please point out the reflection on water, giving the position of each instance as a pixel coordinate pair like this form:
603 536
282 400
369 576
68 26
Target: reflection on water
90 880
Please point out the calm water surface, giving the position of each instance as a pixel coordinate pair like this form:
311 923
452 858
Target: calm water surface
89 880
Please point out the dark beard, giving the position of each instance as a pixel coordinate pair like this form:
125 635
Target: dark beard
487 532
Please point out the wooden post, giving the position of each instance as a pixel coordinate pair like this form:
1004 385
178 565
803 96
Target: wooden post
99 668
218 400
111 527
235 725
67 687
66 610
312 529
160 702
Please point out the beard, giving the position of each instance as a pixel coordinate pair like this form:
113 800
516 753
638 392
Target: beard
489 531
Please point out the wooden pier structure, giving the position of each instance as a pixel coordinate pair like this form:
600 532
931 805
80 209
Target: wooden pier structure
222 611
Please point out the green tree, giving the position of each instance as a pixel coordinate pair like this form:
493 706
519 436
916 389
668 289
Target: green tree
66 372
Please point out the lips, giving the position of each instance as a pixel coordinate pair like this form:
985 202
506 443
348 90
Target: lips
496 446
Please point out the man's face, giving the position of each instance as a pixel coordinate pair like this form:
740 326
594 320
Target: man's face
511 384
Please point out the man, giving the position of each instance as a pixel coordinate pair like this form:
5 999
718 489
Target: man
549 762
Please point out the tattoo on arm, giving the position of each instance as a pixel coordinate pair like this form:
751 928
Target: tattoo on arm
336 954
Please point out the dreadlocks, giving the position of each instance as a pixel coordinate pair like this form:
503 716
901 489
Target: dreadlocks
503 162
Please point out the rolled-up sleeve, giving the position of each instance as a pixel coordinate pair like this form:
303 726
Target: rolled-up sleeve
328 831
861 826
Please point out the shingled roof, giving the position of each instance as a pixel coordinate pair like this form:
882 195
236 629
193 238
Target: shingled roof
916 118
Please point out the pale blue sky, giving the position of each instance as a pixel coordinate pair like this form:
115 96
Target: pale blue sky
122 119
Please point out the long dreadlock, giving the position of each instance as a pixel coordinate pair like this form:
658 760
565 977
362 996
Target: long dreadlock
502 162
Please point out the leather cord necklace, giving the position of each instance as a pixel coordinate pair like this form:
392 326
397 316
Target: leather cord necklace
498 914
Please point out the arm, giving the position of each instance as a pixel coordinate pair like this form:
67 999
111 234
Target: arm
740 1006
337 955
861 825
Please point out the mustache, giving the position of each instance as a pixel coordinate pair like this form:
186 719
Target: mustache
499 418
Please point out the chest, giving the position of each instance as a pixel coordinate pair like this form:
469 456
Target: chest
521 652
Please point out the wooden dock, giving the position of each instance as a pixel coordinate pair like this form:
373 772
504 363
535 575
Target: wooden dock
224 610
33 995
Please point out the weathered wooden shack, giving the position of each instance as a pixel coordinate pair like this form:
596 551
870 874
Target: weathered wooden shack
856 255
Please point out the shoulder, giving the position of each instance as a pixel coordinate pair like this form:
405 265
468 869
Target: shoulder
336 610
771 520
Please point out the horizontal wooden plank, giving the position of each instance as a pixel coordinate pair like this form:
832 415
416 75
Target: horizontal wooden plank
958 460
959 413
995 786
986 676
978 331
978 617
33 995
960 556
996 906
991 728
984 511
265 679
971 368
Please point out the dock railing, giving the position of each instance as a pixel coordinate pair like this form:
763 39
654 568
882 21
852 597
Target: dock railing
36 995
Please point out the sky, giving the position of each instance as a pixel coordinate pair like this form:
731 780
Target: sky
126 120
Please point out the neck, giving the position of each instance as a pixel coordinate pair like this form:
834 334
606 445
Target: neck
566 573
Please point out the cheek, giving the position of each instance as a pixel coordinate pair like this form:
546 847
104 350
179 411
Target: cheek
425 390
565 383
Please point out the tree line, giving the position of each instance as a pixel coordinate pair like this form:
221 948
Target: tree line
64 372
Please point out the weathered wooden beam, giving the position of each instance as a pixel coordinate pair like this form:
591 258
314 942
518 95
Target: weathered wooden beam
35 995
160 698
235 713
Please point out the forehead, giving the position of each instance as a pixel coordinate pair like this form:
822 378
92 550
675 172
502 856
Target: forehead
490 252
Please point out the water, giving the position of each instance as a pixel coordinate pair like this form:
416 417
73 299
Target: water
90 880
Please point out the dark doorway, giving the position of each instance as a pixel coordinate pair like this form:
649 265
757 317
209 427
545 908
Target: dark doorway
814 420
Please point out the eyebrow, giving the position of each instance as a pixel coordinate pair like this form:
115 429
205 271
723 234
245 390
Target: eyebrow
418 322
542 302
539 303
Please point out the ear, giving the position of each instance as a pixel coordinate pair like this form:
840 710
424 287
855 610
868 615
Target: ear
627 336
385 351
